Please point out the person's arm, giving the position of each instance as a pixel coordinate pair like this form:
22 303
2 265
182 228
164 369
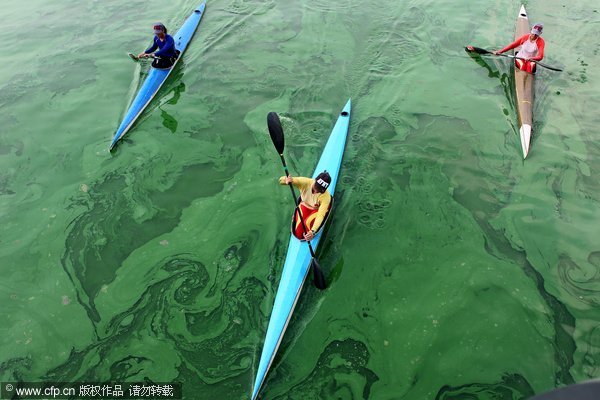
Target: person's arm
540 44
298 181
514 44
151 48
325 200
169 47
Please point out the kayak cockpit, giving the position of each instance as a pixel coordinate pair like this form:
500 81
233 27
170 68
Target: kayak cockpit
293 224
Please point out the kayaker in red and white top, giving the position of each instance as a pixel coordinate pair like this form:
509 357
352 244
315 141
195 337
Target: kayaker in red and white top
314 205
532 49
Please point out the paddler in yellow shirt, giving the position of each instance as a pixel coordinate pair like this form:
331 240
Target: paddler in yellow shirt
314 205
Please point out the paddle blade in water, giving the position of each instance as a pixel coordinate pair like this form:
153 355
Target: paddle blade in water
477 50
276 131
318 277
548 66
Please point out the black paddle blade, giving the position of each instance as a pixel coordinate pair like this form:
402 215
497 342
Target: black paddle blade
318 277
478 50
276 131
549 67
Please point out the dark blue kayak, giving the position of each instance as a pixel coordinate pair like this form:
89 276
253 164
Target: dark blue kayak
156 77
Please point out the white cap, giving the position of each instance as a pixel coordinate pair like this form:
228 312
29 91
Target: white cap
537 29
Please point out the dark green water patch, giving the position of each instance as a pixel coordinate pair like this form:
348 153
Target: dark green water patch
93 257
15 369
5 185
511 387
169 121
484 201
582 281
340 373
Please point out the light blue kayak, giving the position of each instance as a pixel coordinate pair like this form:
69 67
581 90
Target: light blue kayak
298 256
156 77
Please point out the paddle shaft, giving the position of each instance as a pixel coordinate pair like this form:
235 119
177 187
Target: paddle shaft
541 64
278 139
297 203
479 50
136 58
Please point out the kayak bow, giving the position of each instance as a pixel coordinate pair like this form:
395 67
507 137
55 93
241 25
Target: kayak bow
524 89
297 260
156 77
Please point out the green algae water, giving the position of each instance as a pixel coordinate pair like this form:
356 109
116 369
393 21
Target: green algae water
456 270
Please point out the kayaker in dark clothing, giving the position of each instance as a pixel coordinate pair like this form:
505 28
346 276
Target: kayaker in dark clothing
167 54
314 205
